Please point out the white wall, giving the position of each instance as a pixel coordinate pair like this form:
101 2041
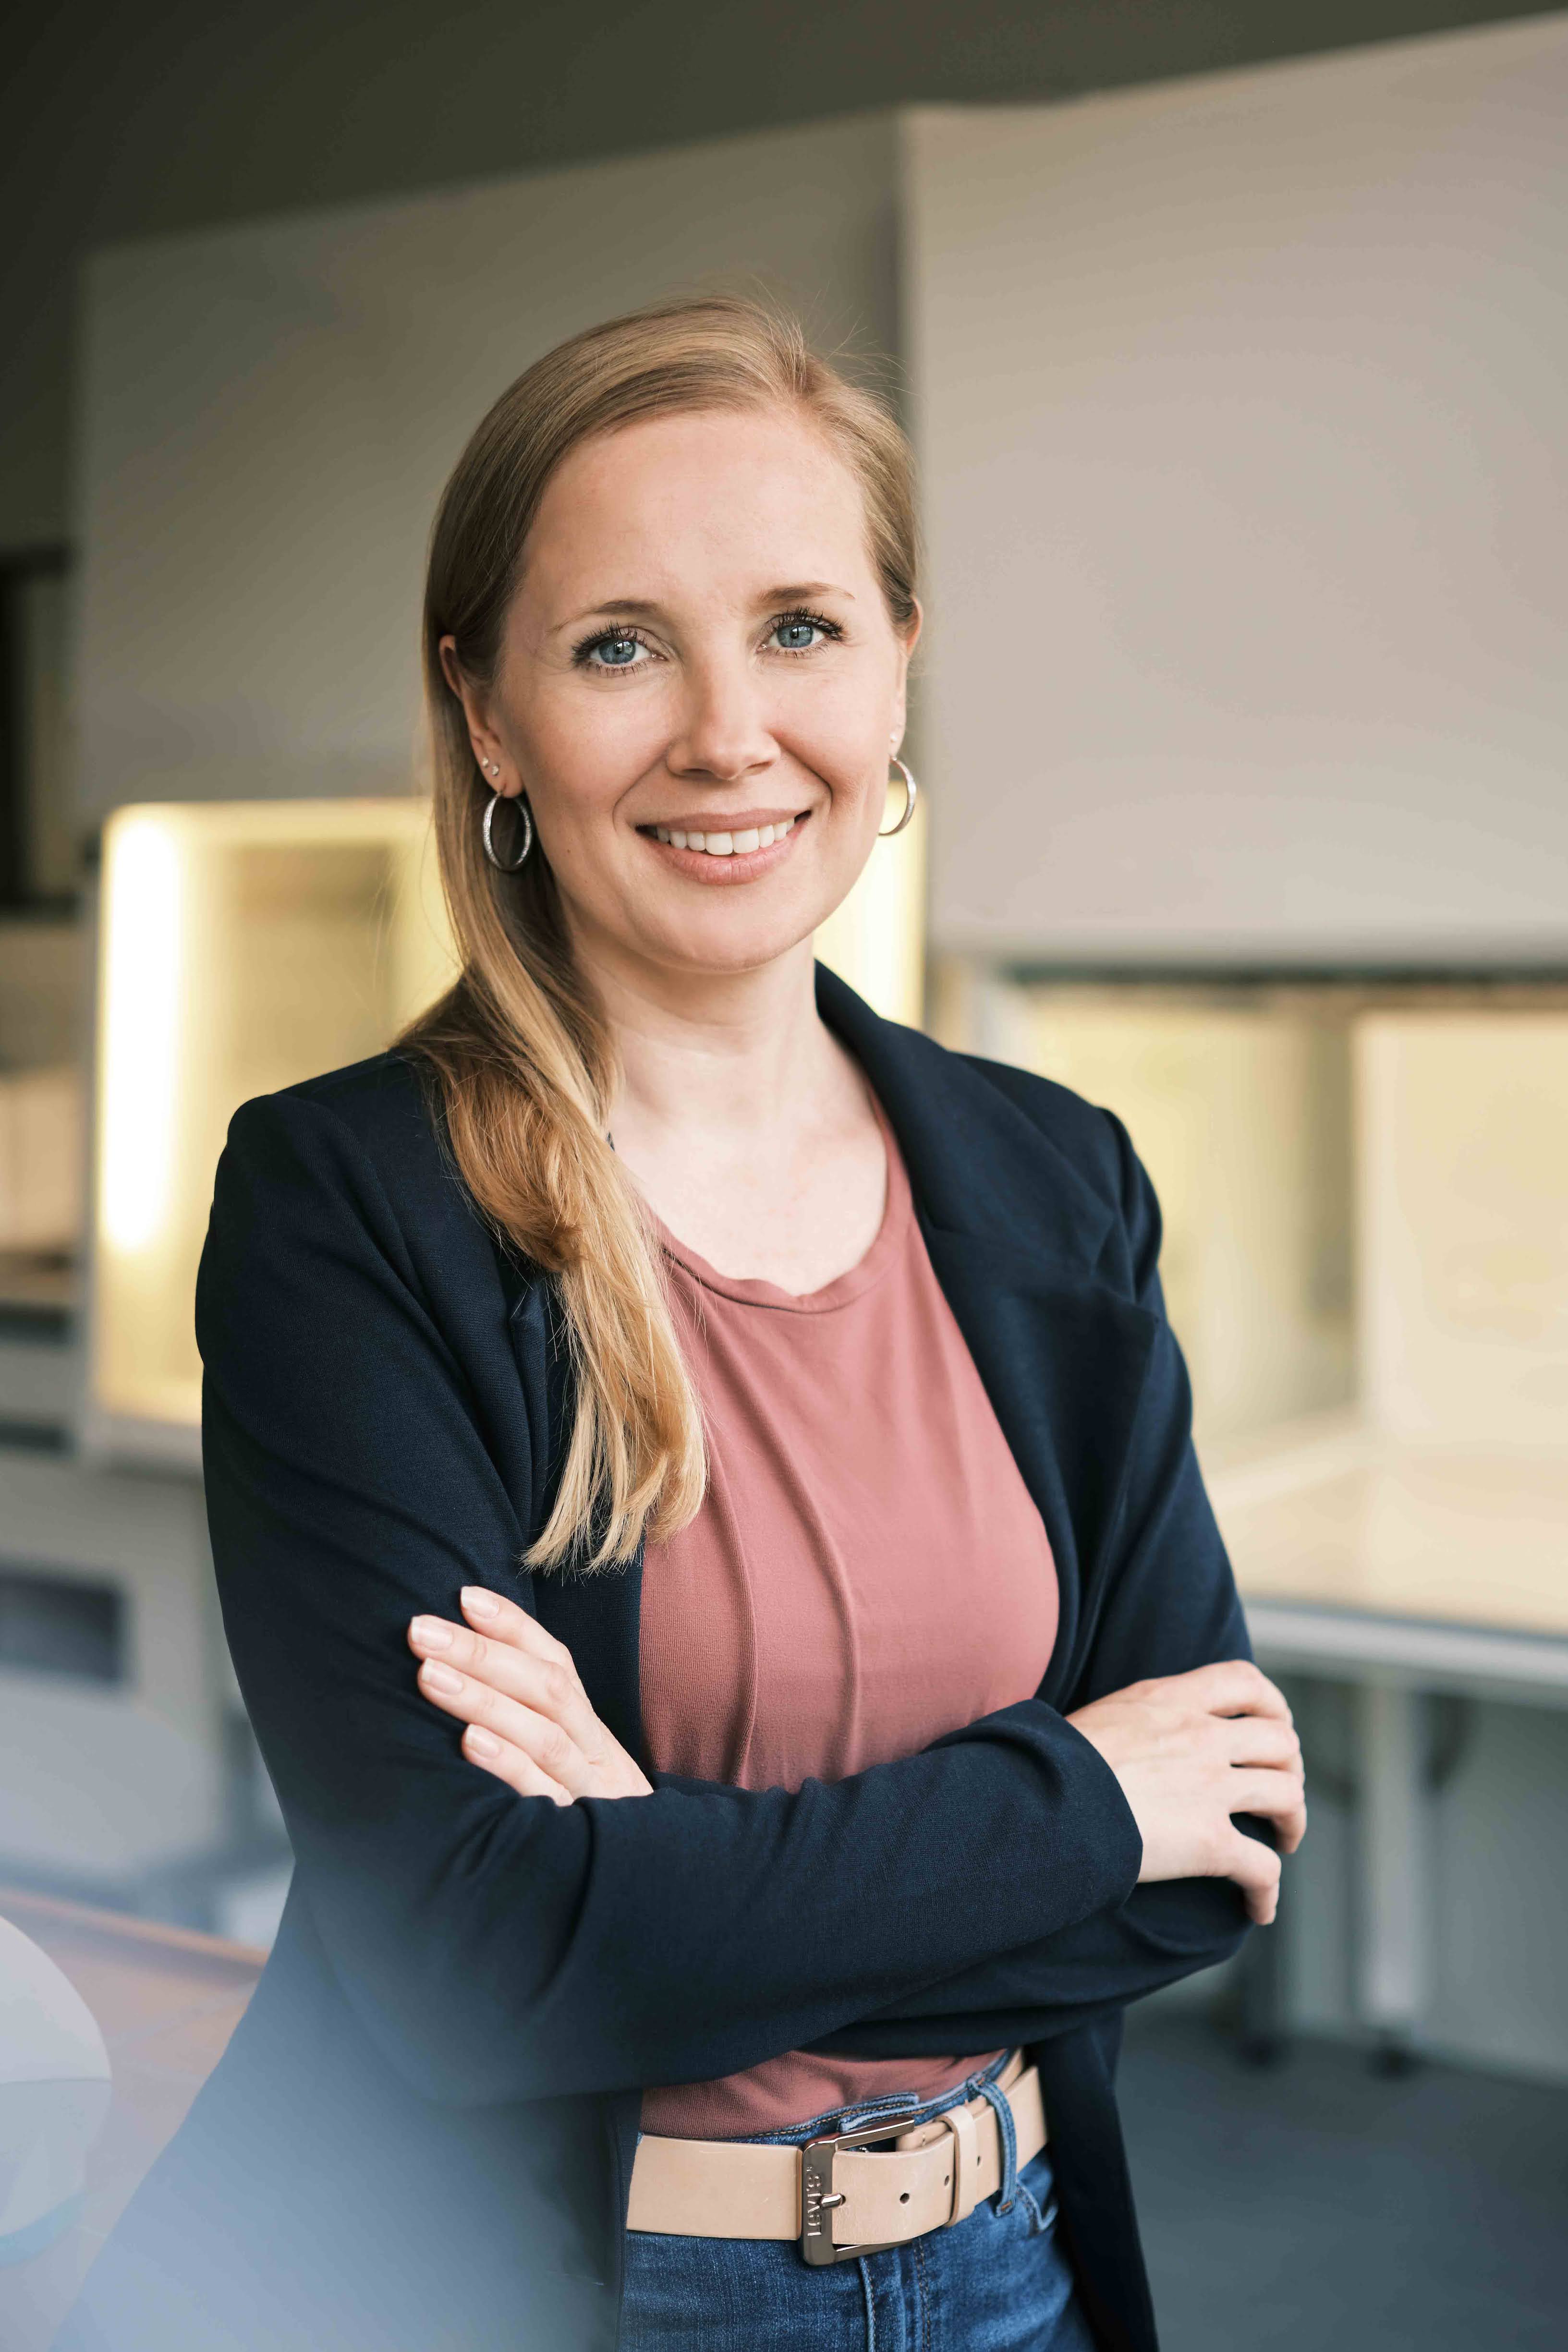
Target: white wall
1240 403
269 414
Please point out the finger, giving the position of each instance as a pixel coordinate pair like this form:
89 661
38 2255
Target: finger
511 1765
1273 1796
1289 1815
1283 1802
504 1621
1256 1870
1260 1739
547 1684
1234 1686
540 1736
498 1620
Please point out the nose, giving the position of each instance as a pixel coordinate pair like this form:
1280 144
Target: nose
723 735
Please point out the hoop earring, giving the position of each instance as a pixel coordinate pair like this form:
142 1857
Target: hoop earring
911 794
500 863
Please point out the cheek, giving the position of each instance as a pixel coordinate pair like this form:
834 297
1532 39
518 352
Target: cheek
578 754
847 745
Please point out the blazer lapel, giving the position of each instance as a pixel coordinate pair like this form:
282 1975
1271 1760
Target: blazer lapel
1064 1365
1015 1233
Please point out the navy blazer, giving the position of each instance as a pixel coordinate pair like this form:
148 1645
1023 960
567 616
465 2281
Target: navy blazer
421 2134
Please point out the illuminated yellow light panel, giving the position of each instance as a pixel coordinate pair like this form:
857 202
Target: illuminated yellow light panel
243 947
141 1020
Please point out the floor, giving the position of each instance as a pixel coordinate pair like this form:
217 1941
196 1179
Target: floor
1319 2207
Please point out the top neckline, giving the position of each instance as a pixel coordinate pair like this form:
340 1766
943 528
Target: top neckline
898 1210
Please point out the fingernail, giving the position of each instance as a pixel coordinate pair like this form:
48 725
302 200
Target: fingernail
479 1603
483 1743
441 1678
431 1634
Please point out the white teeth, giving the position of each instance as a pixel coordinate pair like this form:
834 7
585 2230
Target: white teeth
725 845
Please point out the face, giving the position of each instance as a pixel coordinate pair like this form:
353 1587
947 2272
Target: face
699 689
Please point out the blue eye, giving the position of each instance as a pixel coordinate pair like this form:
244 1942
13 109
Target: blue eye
795 636
616 652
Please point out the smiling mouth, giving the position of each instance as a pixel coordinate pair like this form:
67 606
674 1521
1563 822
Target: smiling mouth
742 841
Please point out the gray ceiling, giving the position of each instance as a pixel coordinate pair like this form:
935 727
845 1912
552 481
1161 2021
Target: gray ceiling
119 122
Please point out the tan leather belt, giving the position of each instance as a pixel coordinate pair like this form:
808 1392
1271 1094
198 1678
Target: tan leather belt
837 2195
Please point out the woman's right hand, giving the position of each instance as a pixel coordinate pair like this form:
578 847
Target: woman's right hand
1190 1750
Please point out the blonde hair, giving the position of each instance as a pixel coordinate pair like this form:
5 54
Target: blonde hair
523 1059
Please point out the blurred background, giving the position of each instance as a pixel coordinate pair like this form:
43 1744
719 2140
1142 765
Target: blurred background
1233 341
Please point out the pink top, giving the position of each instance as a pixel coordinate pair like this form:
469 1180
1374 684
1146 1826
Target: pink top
867 1571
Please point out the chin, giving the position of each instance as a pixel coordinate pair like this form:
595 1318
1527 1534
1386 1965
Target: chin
740 945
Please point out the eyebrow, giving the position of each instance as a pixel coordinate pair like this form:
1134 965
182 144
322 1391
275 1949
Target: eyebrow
794 594
646 607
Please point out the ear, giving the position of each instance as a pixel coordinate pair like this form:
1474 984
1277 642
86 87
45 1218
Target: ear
489 750
909 639
462 687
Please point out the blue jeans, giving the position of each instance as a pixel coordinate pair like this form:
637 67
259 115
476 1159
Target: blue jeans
997 2282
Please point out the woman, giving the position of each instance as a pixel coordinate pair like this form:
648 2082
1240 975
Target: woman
764 1429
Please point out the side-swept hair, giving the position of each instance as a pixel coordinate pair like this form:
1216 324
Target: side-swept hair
521 1054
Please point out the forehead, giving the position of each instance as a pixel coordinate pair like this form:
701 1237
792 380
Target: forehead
714 498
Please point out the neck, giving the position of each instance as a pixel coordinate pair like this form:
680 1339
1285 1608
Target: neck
729 1055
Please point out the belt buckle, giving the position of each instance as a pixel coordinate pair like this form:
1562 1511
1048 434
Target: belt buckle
819 2201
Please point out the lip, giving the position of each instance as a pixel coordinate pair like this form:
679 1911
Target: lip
726 872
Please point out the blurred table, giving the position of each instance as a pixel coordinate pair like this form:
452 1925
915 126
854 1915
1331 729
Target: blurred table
1403 1569
166 2002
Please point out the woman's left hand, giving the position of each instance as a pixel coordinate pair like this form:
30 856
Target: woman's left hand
516 1688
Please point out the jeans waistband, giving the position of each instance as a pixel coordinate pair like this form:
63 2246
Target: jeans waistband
908 2110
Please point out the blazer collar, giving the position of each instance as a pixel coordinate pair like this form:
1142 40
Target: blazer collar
978 1164
1015 1235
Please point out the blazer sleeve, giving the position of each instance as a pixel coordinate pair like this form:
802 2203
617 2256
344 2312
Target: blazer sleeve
497 1946
1171 1604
